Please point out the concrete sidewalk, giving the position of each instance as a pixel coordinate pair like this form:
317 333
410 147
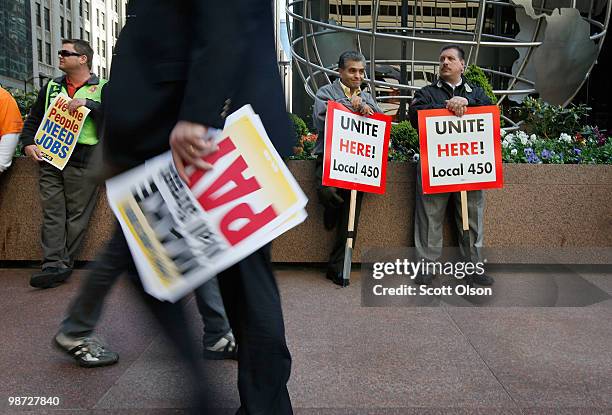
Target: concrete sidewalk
347 359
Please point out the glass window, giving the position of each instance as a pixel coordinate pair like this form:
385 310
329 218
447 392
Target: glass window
69 29
38 16
68 4
87 10
81 33
103 20
40 50
87 35
63 33
48 53
47 19
104 48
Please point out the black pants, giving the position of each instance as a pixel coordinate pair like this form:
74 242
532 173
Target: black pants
336 256
253 307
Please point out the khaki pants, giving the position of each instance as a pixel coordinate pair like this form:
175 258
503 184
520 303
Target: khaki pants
67 198
429 213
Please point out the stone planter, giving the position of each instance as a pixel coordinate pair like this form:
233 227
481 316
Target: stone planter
559 210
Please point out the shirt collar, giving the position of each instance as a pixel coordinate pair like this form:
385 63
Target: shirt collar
462 82
347 90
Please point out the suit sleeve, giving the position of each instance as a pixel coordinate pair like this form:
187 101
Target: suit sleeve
216 55
319 110
422 101
479 98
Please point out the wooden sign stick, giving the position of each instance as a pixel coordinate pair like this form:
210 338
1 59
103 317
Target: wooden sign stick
348 252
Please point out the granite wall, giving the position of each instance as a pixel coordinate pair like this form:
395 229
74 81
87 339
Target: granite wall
544 213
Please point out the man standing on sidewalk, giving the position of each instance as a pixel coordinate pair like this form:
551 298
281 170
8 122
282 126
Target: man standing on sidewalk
450 91
67 196
347 91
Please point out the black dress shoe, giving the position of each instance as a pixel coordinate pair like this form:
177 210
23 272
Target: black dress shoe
482 279
423 279
336 278
330 218
50 277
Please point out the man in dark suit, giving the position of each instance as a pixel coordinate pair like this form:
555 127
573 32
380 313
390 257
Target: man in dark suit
180 68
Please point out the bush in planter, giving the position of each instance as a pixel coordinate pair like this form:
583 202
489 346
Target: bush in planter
476 76
550 121
404 142
304 140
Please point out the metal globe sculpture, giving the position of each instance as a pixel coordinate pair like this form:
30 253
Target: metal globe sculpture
545 47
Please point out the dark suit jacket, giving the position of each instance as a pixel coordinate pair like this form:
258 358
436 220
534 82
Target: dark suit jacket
192 60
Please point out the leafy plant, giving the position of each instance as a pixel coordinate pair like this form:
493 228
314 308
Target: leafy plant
550 121
299 127
24 100
404 142
476 77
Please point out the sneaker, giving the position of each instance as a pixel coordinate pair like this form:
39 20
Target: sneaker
482 279
225 348
50 277
87 351
423 279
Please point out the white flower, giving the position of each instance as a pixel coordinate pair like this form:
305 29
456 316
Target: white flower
533 138
510 138
502 133
415 158
505 144
524 139
565 137
513 151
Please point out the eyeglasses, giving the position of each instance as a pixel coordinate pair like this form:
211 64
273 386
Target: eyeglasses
65 53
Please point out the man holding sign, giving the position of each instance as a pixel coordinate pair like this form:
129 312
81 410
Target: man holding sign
450 91
346 91
67 195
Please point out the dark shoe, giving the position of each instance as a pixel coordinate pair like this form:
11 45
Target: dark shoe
50 277
482 279
336 277
423 279
87 351
330 218
225 348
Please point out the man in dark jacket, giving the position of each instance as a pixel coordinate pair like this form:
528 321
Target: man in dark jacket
172 78
67 196
450 91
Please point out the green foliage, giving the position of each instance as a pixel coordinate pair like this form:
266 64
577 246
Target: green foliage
24 100
476 77
550 121
299 127
404 142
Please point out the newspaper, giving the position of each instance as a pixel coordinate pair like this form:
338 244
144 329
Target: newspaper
180 236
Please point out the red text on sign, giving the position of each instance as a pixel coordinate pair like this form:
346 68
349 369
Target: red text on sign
241 221
354 147
460 149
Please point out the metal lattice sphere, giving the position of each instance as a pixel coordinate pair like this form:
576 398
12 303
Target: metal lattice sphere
525 46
